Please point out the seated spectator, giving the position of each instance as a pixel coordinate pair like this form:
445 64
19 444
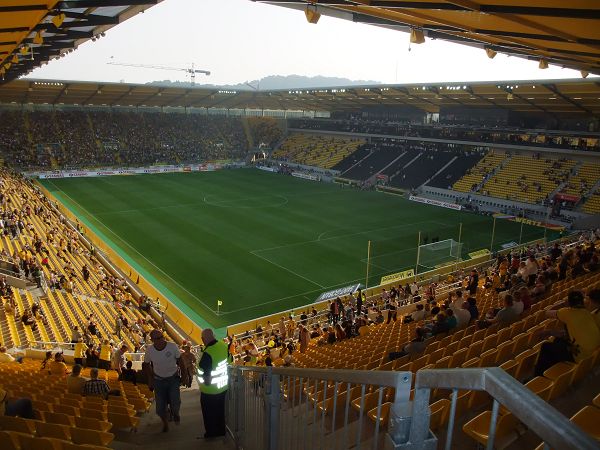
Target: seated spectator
28 320
580 340
525 297
463 316
129 374
21 407
502 317
416 346
419 313
593 305
518 305
57 366
75 381
440 325
451 319
96 387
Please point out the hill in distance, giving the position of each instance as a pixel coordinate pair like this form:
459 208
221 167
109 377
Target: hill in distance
276 82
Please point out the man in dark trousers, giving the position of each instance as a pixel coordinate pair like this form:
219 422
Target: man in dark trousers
213 384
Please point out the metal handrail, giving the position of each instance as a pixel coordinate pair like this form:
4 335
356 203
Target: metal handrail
544 420
409 421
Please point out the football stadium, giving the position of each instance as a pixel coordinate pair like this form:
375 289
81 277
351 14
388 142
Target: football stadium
398 266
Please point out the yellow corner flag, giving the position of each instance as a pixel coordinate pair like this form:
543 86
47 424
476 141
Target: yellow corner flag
219 303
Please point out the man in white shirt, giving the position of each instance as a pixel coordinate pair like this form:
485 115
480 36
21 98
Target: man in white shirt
463 316
161 365
457 303
419 313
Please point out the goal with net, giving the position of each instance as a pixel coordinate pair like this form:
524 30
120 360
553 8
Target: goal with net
430 256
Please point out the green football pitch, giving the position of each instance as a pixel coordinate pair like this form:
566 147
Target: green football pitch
262 242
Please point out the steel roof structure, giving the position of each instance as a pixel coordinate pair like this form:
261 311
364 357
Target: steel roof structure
34 31
555 31
545 96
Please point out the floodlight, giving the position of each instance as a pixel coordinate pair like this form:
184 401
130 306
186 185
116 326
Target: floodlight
584 73
312 15
416 36
543 64
490 53
58 19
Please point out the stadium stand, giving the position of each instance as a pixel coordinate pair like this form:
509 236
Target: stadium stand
315 150
592 204
429 161
81 292
528 178
448 176
488 132
479 173
381 155
265 131
76 139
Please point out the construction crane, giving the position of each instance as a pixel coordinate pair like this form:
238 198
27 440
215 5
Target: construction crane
191 70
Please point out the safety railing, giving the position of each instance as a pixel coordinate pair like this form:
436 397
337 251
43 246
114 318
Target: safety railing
536 414
289 408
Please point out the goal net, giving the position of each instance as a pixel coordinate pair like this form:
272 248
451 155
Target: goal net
437 254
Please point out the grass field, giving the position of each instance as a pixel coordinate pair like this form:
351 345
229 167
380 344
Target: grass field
258 241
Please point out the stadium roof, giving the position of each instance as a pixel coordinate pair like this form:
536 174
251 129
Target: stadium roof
566 33
35 31
545 96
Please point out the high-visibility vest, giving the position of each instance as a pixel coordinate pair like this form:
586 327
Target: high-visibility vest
218 376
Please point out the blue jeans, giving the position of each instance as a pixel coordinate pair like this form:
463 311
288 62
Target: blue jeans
166 392
20 407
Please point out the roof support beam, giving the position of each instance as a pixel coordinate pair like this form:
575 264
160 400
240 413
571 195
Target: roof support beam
555 91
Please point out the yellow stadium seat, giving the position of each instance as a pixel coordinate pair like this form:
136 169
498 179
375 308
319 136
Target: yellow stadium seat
7 442
479 427
28 442
459 357
561 375
93 413
59 418
92 424
86 436
596 401
123 421
526 360
439 413
588 419
17 424
510 367
53 430
384 414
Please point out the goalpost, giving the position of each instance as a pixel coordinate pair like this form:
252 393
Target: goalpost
430 256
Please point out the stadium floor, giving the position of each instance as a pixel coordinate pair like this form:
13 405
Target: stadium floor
261 242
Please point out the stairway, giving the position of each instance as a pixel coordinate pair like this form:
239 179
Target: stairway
247 132
493 173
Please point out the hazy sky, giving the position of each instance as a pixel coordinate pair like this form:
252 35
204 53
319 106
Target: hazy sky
239 40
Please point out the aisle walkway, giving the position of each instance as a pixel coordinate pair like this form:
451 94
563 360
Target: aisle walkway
188 435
